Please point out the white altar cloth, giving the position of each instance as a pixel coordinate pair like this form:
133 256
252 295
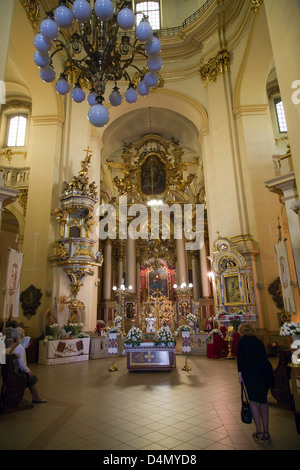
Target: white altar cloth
64 351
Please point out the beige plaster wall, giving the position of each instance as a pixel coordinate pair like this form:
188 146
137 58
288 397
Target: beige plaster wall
235 135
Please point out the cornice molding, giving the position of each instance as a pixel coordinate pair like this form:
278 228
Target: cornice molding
250 110
47 120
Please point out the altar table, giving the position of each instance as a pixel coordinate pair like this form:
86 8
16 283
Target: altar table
99 347
64 351
147 357
216 347
199 344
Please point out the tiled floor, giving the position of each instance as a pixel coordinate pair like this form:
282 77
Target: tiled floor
91 408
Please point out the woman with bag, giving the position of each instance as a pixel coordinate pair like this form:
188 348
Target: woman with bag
256 373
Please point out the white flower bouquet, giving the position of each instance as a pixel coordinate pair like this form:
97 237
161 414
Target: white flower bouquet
48 338
216 332
184 328
290 329
164 335
134 337
117 320
191 318
114 329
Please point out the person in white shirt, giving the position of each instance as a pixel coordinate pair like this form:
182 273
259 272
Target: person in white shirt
31 380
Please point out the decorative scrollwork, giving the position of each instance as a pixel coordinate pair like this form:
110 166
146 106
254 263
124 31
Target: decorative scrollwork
215 67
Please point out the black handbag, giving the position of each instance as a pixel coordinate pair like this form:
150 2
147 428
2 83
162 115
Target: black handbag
246 414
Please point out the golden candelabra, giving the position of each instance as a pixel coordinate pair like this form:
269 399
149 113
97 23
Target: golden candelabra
228 339
123 291
186 367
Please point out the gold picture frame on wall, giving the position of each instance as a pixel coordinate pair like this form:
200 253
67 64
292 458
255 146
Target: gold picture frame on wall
232 291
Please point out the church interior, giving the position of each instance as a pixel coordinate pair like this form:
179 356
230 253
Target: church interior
120 256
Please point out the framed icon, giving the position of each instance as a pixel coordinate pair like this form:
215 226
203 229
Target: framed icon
232 291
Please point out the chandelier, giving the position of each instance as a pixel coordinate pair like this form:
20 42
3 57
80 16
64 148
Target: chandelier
97 47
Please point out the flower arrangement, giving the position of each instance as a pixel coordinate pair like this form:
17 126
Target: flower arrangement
114 329
134 337
48 338
216 332
191 318
289 329
99 327
184 328
164 335
73 329
53 330
117 320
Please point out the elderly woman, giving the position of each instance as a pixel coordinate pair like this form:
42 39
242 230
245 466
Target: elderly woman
256 372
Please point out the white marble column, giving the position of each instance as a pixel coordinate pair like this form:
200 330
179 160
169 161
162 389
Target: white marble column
107 287
138 277
130 264
120 273
181 271
204 272
195 277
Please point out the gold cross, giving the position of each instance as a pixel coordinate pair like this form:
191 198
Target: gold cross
87 151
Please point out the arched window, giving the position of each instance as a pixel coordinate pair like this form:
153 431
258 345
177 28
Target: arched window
150 9
16 131
280 115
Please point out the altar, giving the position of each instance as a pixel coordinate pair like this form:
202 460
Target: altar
64 351
149 357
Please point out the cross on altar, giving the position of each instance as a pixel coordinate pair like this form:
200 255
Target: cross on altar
149 356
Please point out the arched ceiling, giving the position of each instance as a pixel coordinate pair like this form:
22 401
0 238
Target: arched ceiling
166 123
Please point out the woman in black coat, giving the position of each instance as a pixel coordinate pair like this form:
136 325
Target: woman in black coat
256 372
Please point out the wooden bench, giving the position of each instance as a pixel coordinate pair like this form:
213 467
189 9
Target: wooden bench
13 387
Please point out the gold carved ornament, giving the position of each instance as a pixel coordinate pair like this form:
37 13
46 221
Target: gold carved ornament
22 198
9 153
164 155
255 5
76 277
62 252
216 66
32 10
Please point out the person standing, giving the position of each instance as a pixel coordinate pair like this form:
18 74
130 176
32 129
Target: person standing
256 373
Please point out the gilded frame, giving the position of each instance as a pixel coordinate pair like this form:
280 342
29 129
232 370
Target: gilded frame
232 290
140 182
161 283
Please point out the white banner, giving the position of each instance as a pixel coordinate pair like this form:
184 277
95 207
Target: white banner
186 342
112 343
12 290
285 277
